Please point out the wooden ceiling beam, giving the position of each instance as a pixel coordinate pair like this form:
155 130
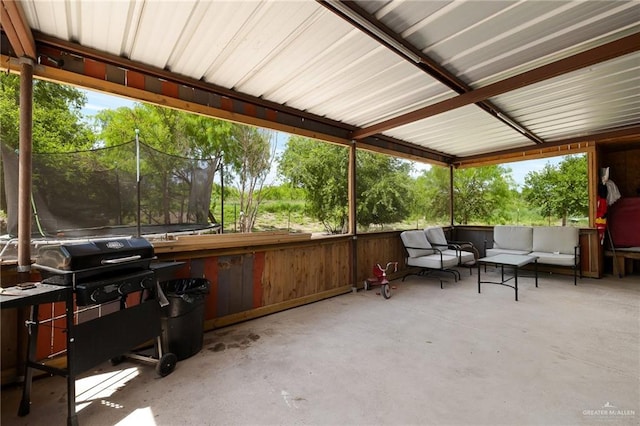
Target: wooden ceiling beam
608 51
17 30
560 147
10 31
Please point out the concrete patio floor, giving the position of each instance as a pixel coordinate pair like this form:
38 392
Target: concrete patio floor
561 355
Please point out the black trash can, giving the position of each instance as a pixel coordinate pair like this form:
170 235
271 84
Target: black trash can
183 319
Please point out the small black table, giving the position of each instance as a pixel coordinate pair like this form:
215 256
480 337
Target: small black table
514 260
16 297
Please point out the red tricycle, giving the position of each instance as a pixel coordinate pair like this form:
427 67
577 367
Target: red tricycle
380 278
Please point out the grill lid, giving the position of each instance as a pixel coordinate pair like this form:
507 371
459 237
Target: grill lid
96 255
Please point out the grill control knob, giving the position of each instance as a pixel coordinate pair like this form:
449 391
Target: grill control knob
126 287
147 283
95 295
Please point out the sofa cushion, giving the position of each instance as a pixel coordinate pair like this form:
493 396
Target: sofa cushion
416 243
555 239
435 235
554 259
494 252
513 238
433 261
462 256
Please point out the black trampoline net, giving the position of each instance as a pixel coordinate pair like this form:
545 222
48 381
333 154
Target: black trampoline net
95 193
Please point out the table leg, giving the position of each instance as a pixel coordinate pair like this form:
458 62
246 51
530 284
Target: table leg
516 279
502 271
32 345
479 276
535 268
72 416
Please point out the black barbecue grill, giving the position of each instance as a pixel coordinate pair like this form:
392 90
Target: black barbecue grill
97 272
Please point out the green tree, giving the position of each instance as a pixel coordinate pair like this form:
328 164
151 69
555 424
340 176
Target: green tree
246 152
383 186
171 140
539 192
57 118
559 190
58 126
252 158
480 195
432 194
321 169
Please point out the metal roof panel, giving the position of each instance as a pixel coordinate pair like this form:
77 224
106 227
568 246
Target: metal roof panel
304 56
590 100
464 131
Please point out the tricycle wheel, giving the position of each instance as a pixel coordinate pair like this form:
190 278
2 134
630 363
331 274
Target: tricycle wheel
366 285
386 291
166 364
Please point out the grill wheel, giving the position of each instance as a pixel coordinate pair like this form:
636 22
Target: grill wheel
166 364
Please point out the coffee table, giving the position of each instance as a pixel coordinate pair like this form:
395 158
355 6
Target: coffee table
514 260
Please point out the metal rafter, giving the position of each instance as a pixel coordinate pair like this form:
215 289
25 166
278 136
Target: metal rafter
575 62
367 23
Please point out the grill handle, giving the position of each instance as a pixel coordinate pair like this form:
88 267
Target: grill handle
120 260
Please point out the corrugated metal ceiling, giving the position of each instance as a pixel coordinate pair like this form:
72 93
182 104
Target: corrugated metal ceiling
303 55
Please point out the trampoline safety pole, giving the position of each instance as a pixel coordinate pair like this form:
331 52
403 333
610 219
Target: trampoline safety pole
138 180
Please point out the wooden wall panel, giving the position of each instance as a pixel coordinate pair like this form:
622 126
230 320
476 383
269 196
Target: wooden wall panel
257 280
234 284
378 248
624 169
303 281
9 338
591 254
276 269
304 271
211 273
336 267
477 235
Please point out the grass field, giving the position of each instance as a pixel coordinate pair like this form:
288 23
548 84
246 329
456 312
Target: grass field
290 216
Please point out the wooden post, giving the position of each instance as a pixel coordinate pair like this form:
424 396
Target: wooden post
24 199
222 193
352 216
451 201
352 189
593 179
24 168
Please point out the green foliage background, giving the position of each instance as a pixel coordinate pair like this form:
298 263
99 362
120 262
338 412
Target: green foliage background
57 117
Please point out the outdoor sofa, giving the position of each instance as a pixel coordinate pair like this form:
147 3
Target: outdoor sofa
552 245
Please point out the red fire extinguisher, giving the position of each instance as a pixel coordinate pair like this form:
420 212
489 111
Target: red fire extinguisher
601 211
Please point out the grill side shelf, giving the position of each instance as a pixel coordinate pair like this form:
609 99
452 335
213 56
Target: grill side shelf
13 297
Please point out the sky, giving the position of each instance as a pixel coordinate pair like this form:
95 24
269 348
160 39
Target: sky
98 101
